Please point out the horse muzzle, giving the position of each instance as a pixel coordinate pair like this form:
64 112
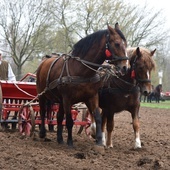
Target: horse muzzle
146 90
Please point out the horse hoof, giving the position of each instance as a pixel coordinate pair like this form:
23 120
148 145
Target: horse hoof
137 144
109 146
60 142
70 144
47 140
42 135
99 143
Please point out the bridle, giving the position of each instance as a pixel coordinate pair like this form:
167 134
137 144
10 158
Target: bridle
134 75
110 52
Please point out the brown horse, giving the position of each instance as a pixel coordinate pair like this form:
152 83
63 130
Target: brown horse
124 93
74 78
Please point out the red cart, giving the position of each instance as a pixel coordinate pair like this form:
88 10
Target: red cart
19 107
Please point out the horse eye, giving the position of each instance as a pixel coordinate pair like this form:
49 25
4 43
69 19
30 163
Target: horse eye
117 45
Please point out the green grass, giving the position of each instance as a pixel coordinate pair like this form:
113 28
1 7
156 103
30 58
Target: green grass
161 105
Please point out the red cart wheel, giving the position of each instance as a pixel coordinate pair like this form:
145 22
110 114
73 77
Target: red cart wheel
26 121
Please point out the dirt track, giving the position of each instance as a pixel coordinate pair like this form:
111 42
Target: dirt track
27 154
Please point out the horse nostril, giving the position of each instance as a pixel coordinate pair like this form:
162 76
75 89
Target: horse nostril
125 69
145 93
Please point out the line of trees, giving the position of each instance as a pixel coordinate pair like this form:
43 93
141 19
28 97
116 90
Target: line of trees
30 29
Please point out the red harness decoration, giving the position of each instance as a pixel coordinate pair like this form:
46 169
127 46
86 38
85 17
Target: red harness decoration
108 53
133 74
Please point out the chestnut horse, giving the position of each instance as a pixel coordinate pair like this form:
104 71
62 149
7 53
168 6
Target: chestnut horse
124 93
74 78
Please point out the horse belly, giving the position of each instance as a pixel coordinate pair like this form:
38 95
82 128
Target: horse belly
118 102
79 92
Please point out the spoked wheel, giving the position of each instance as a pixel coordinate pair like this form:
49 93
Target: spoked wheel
26 121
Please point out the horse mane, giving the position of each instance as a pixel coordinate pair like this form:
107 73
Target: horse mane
82 47
147 60
121 35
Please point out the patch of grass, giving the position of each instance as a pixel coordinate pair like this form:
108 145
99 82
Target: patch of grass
161 105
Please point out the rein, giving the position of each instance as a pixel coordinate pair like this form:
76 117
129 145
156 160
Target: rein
87 63
132 86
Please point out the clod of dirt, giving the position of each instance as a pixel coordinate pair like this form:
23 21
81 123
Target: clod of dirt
80 156
143 161
158 164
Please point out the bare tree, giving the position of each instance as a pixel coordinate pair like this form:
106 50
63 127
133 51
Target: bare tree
21 24
140 25
35 27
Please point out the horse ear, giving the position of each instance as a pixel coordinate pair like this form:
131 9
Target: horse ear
117 26
111 30
153 52
138 53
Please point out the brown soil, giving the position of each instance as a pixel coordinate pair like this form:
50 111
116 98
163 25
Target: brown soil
23 153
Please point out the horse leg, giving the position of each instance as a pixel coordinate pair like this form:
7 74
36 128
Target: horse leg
97 117
104 119
135 123
60 117
49 115
110 126
158 99
42 104
95 112
107 118
69 121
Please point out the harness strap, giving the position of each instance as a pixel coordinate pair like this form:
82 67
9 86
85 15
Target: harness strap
143 80
47 80
74 80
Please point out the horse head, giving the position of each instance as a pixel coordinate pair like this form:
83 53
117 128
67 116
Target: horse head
104 45
116 52
142 63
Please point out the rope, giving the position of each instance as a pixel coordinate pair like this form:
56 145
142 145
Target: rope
90 67
23 90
